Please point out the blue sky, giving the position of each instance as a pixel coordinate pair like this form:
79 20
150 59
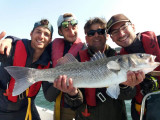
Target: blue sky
18 16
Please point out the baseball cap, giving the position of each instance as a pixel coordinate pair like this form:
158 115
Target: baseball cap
62 18
116 19
44 23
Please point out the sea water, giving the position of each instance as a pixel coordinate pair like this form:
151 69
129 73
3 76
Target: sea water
42 102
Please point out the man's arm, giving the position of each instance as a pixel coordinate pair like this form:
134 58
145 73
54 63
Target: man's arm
72 95
127 88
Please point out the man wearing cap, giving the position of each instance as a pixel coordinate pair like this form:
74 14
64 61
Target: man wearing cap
26 53
122 32
70 43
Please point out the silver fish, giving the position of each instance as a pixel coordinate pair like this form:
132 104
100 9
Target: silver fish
99 72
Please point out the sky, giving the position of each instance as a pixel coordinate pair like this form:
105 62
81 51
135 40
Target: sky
18 16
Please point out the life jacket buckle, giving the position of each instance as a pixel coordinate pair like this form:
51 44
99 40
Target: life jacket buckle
101 97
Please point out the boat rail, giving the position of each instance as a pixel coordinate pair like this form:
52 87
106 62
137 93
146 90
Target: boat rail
144 100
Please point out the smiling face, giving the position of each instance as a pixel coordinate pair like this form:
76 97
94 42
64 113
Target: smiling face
70 33
97 42
40 38
125 35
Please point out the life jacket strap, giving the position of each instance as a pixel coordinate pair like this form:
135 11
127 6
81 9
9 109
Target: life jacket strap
28 114
58 106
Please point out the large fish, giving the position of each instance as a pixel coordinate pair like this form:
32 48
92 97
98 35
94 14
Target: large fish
99 72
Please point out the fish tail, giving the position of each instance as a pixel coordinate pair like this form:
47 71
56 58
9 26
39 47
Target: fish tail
22 76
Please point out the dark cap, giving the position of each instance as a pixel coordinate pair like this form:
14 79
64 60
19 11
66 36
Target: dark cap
116 19
44 23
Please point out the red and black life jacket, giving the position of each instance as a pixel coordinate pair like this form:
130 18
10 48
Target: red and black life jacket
90 93
151 46
58 49
20 57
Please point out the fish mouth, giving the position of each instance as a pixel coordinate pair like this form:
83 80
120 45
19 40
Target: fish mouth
146 68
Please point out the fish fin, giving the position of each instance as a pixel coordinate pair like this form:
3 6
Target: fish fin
22 78
113 66
113 91
97 56
68 58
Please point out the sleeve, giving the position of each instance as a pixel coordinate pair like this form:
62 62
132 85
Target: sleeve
14 39
127 93
50 93
74 101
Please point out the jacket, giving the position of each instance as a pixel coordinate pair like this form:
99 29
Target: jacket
146 42
17 110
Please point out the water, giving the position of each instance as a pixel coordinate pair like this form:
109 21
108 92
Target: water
42 102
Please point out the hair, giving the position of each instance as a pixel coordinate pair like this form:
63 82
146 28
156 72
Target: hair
44 22
95 20
67 15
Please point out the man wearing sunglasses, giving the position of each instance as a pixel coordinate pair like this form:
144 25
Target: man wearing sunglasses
122 32
70 43
97 105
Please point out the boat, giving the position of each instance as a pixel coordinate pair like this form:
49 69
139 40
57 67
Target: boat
45 114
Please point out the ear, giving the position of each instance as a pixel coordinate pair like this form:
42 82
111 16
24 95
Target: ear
112 38
60 31
133 26
107 36
31 33
86 37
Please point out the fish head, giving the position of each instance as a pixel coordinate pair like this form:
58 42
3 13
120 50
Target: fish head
139 61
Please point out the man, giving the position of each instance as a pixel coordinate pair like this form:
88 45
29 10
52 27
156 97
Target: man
97 105
70 43
122 32
26 53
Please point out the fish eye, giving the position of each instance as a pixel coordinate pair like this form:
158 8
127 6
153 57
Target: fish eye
141 55
119 60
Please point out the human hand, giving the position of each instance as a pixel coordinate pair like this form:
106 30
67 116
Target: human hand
67 87
134 78
5 44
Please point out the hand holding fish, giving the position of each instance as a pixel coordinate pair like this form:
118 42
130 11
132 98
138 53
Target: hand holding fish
134 78
61 84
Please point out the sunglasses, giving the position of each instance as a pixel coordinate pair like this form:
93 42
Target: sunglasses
65 24
99 31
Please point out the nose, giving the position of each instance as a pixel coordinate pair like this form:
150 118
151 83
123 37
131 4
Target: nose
96 34
121 33
70 28
42 35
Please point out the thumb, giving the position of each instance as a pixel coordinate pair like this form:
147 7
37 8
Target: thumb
3 33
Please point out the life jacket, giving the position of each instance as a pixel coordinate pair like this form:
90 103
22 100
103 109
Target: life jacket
58 49
90 93
57 53
151 46
20 57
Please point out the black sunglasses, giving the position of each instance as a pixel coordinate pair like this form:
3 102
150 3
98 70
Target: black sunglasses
99 31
